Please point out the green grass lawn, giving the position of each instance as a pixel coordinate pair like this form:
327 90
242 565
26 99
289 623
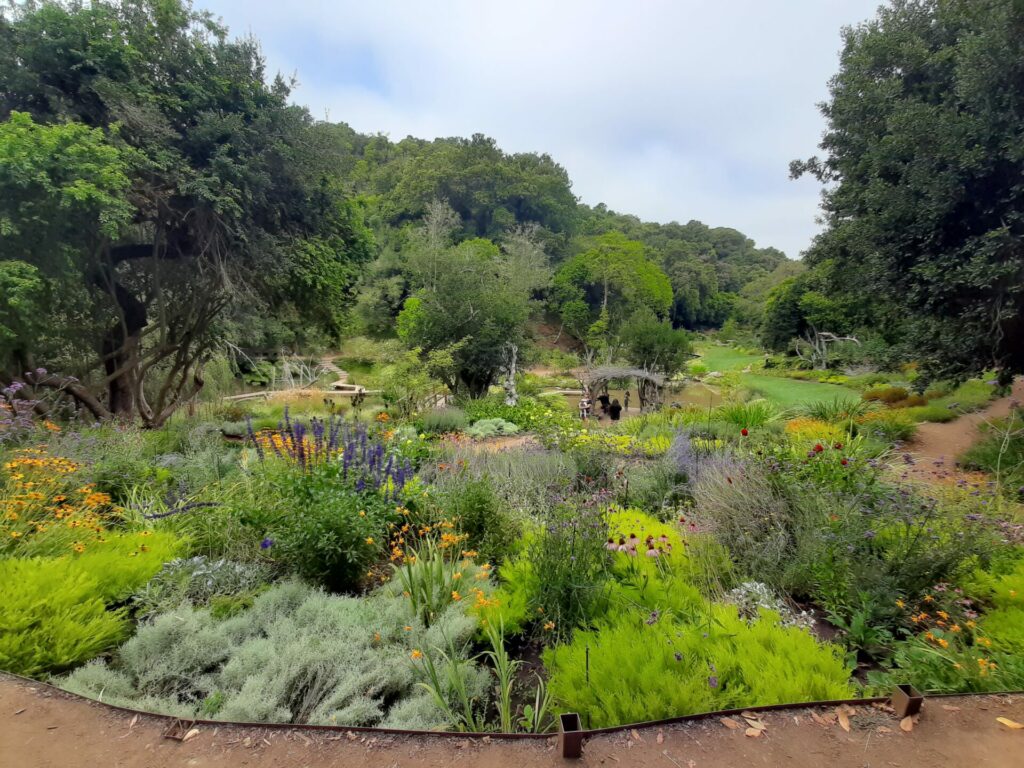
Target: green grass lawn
718 358
787 393
790 393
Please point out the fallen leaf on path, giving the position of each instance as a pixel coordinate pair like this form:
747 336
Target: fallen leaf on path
818 718
844 720
753 732
907 724
884 729
950 708
731 724
133 721
661 738
635 735
21 710
756 724
190 735
749 715
1013 725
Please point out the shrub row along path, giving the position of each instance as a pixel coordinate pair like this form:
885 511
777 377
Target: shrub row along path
43 728
936 446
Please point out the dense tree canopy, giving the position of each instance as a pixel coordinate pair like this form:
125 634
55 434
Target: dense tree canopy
156 178
924 166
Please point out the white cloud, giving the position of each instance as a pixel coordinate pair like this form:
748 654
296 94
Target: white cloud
669 110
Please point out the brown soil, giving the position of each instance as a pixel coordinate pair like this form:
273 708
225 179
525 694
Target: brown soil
44 728
937 446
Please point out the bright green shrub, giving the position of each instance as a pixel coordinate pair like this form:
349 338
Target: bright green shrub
54 612
509 605
755 413
52 616
662 667
485 428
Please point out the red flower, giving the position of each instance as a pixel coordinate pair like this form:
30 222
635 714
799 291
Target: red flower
818 447
744 432
844 462
838 446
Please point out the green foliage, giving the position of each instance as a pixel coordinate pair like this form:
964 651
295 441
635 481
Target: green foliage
485 428
755 413
199 581
442 420
324 530
529 414
613 276
55 610
654 344
478 512
473 299
837 410
629 669
297 655
922 200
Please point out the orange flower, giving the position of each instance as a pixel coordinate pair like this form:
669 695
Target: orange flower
456 596
548 626
416 655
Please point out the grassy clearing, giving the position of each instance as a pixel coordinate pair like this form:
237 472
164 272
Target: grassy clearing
718 358
790 393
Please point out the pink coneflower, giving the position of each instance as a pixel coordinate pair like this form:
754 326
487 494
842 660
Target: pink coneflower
651 551
611 546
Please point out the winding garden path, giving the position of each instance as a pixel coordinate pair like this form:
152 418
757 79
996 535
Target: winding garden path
41 727
937 446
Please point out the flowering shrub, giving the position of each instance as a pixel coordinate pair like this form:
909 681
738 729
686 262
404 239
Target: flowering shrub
365 460
889 426
42 512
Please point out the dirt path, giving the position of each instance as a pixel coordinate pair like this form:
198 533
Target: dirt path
41 728
937 446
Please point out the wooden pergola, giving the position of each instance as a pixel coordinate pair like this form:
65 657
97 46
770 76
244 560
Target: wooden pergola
649 384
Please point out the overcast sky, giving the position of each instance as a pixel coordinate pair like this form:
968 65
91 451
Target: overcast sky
668 110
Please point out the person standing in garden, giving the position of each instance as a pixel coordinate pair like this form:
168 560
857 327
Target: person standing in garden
625 404
615 410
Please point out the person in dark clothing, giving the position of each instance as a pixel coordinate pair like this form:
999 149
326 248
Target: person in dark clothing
603 400
625 405
615 410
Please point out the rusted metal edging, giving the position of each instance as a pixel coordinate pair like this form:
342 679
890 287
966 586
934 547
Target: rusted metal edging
493 734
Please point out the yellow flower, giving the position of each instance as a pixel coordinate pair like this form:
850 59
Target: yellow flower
899 603
548 626
416 654
15 535
456 576
78 546
362 513
369 539
955 628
